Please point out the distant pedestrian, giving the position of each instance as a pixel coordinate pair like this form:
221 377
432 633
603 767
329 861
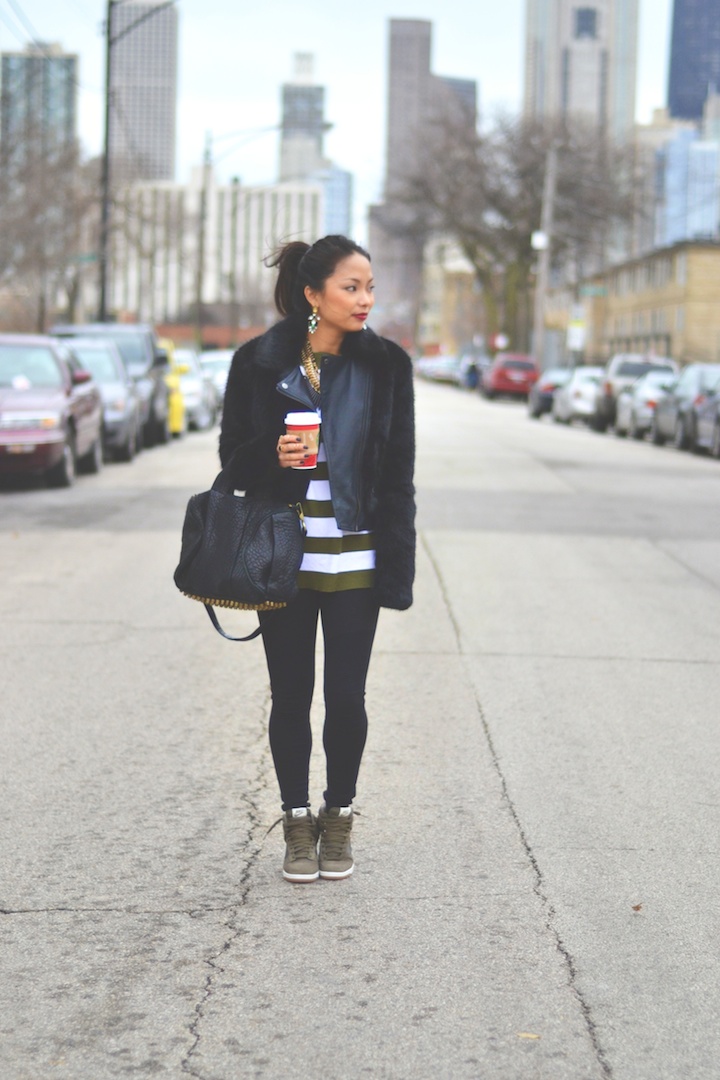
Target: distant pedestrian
359 509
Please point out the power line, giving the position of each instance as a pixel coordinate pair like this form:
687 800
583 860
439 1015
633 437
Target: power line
39 45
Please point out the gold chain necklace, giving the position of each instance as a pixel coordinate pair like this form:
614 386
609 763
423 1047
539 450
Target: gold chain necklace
311 369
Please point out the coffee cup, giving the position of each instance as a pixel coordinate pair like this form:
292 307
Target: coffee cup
306 426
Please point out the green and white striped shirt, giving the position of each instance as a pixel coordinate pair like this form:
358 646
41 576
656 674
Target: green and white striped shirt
333 560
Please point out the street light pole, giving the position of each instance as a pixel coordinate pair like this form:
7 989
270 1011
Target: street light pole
202 225
542 242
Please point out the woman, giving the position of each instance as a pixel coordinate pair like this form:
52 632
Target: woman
359 510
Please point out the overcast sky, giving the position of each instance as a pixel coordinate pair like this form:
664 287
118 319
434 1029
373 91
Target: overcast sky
233 62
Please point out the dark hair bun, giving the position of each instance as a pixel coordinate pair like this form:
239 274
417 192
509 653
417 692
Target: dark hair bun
300 265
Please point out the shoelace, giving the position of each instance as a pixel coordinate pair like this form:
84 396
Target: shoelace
300 836
334 833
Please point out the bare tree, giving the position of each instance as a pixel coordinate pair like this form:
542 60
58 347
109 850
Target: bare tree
41 207
485 191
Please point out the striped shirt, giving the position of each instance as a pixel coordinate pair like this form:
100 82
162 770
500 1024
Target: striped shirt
333 560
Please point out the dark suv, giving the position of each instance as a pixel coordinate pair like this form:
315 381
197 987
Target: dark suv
147 365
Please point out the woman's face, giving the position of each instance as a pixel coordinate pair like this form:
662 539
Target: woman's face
346 298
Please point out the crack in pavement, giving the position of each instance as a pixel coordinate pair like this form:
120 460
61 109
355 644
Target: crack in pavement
214 962
539 886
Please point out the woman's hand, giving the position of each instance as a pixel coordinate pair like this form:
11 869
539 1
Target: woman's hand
291 451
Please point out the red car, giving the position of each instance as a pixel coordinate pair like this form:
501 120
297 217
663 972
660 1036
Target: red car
50 411
513 374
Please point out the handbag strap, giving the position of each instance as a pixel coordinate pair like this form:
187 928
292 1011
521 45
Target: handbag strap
214 620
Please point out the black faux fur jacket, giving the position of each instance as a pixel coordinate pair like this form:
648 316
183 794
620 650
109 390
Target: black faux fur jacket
253 419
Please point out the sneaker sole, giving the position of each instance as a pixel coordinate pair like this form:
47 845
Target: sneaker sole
336 875
301 879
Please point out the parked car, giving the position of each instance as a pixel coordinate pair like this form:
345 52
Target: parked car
122 428
636 403
146 363
512 374
216 362
50 411
440 368
575 399
676 415
540 397
198 391
622 370
707 436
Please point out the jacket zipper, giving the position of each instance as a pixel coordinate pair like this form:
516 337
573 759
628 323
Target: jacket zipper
360 456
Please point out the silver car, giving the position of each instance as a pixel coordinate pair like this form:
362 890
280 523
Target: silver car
576 399
216 364
636 403
197 390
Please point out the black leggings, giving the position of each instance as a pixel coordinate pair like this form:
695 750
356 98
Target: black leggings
349 620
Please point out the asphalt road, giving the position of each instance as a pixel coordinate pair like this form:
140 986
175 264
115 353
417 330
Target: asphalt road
537 881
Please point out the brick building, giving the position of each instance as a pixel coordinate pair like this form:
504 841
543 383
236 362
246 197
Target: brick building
667 303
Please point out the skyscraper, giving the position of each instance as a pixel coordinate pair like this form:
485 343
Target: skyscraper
581 60
416 99
303 123
694 56
38 102
143 90
302 155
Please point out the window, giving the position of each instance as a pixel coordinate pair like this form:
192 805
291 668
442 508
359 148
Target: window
586 23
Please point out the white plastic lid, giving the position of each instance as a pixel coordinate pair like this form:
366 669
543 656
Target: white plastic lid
302 419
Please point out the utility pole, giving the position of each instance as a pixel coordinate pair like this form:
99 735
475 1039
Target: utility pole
202 225
542 242
234 312
105 176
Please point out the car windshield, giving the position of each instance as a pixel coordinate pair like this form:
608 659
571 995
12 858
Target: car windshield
99 362
24 367
587 376
132 350
518 365
656 378
556 375
635 368
217 365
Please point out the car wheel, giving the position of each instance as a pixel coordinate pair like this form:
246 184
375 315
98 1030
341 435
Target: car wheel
715 444
203 419
656 436
620 432
162 431
92 462
129 448
489 394
692 442
63 474
680 436
635 430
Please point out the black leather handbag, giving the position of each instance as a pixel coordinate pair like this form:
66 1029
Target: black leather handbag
239 551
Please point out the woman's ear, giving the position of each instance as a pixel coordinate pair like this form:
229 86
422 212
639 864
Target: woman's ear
311 296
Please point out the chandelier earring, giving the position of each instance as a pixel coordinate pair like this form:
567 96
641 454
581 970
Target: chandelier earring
313 320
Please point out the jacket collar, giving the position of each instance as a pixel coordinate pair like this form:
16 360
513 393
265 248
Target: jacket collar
279 348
